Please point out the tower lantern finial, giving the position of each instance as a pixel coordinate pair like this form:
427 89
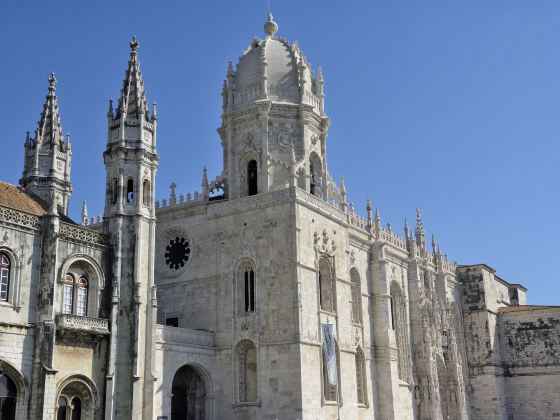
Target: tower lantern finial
134 45
270 27
52 83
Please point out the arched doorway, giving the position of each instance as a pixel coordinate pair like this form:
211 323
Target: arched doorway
8 397
188 399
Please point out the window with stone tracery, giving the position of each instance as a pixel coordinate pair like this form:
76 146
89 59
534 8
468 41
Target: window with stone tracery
361 389
326 294
75 295
399 320
356 296
146 193
247 372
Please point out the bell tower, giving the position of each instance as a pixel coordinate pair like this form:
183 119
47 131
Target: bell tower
46 168
274 127
131 162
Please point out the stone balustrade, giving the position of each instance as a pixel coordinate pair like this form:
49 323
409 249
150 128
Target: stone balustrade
82 324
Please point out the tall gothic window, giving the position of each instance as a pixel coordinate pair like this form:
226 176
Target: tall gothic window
114 190
325 286
75 297
252 177
315 174
247 372
360 376
130 191
399 320
4 277
249 286
356 296
68 302
82 295
329 390
146 193
246 287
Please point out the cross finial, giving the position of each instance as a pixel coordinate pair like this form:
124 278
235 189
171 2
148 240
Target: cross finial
173 186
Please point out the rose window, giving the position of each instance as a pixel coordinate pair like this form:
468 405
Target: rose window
177 253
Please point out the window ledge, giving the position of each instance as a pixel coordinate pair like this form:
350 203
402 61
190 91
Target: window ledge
247 404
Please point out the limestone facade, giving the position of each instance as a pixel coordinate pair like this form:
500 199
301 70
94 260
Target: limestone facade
209 305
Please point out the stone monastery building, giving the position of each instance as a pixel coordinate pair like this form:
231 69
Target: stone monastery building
210 305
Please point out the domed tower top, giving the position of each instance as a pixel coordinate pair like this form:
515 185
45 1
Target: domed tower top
273 69
274 126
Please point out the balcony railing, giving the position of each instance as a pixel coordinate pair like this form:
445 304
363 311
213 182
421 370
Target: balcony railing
82 324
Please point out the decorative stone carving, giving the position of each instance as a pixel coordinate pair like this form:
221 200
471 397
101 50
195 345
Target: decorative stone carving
323 245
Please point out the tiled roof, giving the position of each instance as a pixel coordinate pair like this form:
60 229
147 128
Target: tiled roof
16 198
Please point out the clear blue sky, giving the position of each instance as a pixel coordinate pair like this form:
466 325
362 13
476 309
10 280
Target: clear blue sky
453 107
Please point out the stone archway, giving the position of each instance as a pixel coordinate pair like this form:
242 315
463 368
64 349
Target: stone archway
188 400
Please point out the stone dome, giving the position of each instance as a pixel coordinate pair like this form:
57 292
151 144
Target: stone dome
270 68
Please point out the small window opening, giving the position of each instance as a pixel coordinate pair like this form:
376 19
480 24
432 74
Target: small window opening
172 322
252 177
130 191
313 180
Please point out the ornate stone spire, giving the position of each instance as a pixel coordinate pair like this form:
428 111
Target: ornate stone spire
49 128
406 229
84 213
132 102
46 169
270 27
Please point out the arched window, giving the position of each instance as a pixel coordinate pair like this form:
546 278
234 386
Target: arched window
249 286
356 296
76 294
325 286
68 301
329 390
62 408
361 390
114 190
8 397
399 321
82 296
130 191
252 188
246 279
315 174
146 193
4 277
247 372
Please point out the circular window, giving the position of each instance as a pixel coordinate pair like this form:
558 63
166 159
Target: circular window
174 252
177 253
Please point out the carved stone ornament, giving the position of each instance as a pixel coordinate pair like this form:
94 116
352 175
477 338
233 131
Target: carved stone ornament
284 139
323 245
